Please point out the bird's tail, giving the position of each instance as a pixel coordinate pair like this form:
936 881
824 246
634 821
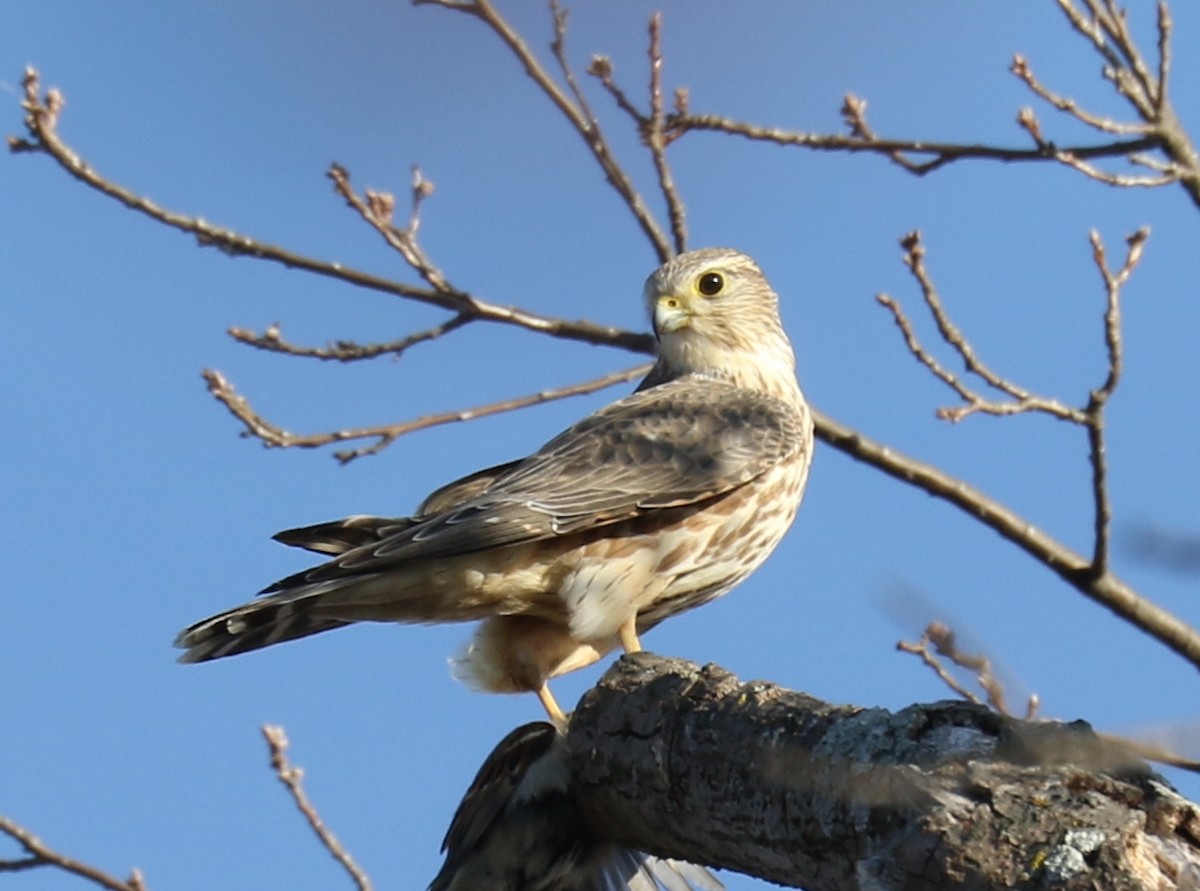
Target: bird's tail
252 626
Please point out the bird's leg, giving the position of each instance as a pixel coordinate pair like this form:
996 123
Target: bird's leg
629 636
550 704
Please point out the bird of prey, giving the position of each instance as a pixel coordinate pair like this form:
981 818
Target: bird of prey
518 829
657 503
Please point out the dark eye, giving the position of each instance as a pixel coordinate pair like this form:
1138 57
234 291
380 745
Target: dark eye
710 284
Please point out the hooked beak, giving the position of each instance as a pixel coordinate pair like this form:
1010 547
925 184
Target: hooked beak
671 313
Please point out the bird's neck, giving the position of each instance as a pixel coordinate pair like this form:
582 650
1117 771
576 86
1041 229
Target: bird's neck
768 368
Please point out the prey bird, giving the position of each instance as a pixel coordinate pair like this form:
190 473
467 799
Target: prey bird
518 828
656 503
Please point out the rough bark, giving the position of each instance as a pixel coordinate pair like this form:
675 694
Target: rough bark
689 762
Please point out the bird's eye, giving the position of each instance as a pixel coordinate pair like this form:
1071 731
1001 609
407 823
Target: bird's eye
710 284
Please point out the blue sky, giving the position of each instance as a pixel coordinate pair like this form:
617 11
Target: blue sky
132 507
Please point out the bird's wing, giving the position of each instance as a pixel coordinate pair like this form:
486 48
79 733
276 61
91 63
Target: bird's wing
624 869
453 494
338 536
491 792
683 442
518 827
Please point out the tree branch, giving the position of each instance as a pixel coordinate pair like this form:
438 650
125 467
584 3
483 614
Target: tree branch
1097 449
936 154
384 435
832 797
655 136
41 121
945 645
1022 399
1106 589
576 111
1105 26
41 854
272 341
292 778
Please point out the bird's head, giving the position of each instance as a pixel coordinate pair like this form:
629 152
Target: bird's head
715 313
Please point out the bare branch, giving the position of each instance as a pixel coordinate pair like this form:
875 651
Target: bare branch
41 855
1106 27
41 119
1165 26
1105 589
578 116
601 68
272 341
292 777
1021 68
558 48
377 209
653 127
1090 417
1093 578
1022 400
921 649
944 642
384 435
656 139
1173 175
1097 453
938 154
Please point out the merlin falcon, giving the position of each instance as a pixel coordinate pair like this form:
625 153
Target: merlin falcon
657 503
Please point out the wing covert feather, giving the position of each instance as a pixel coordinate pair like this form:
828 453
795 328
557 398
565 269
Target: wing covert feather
679 443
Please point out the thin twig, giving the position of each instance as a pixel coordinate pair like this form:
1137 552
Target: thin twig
1091 417
653 126
656 139
949 378
41 120
558 49
1022 399
378 208
1098 400
384 435
1021 68
921 649
587 127
943 640
1107 590
292 778
1165 26
939 154
1120 180
945 643
914 259
272 341
601 68
1106 27
42 855
1152 752
854 113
